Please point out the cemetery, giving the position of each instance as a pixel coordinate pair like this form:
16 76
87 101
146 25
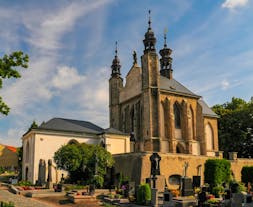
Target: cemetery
219 188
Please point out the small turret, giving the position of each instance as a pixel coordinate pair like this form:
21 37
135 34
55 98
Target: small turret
166 60
115 85
116 64
150 40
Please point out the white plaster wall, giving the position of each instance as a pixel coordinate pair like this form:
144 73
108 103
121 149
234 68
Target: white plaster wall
117 144
47 145
44 145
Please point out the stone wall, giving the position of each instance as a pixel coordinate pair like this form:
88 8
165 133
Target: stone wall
137 166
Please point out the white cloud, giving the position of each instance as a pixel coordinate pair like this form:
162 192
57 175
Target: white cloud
225 84
46 33
66 78
233 4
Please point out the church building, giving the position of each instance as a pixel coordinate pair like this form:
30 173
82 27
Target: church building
159 112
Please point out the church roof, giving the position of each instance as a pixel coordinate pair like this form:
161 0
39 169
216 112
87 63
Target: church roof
206 110
175 87
113 131
60 124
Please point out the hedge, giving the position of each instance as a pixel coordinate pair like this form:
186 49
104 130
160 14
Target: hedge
217 171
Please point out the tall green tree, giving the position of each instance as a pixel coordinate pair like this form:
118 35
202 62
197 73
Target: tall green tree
84 162
8 69
235 127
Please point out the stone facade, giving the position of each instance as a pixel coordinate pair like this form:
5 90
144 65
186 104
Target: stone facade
159 112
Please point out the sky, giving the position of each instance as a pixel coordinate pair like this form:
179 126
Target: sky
71 46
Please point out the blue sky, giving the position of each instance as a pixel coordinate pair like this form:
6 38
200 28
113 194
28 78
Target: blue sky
71 46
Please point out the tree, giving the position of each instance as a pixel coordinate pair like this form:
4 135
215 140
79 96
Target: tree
8 69
84 162
235 127
34 125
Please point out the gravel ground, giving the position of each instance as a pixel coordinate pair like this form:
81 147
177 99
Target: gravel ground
57 201
21 201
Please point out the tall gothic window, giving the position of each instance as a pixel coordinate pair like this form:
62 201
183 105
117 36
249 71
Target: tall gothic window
177 116
209 137
132 119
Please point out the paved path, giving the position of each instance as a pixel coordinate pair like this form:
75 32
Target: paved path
21 201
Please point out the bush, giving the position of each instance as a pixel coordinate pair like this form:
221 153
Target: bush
237 187
217 171
4 204
247 174
217 190
24 183
144 194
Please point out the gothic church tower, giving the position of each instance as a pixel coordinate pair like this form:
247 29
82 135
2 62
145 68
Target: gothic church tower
150 94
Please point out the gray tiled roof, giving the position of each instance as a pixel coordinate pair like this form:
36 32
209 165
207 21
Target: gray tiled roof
113 131
206 110
60 124
173 86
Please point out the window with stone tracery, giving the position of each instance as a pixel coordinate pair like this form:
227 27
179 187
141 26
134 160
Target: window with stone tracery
177 116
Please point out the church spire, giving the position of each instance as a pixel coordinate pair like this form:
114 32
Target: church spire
116 63
166 60
150 40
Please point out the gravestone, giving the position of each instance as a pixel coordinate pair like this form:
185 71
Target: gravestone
167 199
237 199
42 172
131 191
196 181
49 175
186 186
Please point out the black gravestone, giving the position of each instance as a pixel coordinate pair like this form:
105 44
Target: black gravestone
196 181
186 186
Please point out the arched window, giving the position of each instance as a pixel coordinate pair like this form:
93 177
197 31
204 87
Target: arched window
132 119
177 116
27 151
209 137
191 123
175 179
180 148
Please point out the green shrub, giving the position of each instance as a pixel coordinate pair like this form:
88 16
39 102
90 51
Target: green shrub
217 171
217 190
237 187
144 194
247 174
98 181
4 204
24 183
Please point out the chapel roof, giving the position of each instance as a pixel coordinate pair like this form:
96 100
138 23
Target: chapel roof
61 124
206 110
175 87
114 131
